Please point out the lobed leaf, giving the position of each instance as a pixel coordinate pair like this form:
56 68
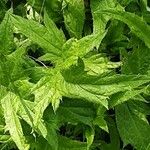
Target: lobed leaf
39 34
12 121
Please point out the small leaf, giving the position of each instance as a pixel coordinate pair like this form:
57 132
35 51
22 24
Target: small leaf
99 119
114 136
6 35
68 144
89 133
73 13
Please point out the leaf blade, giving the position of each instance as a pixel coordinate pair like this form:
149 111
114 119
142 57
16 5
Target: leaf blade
12 121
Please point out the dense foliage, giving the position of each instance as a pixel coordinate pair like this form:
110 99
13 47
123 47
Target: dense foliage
74 74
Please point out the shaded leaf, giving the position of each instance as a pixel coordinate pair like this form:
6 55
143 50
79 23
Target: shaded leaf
6 36
73 12
137 25
132 129
68 144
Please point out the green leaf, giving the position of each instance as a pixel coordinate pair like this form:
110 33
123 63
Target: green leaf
122 97
98 89
18 63
89 133
137 61
137 25
13 124
87 43
12 66
72 111
96 64
74 48
99 119
132 129
114 136
68 144
43 97
100 20
41 102
47 131
80 91
38 34
6 35
53 30
53 8
73 12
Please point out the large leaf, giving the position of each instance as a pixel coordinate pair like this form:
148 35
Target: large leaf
137 61
13 66
39 33
132 129
98 89
76 111
137 25
13 124
100 20
47 131
43 97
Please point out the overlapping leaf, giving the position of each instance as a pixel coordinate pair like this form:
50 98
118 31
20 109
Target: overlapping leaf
13 124
132 128
137 25
44 37
82 83
74 16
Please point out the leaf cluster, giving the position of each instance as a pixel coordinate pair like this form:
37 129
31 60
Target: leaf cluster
74 75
